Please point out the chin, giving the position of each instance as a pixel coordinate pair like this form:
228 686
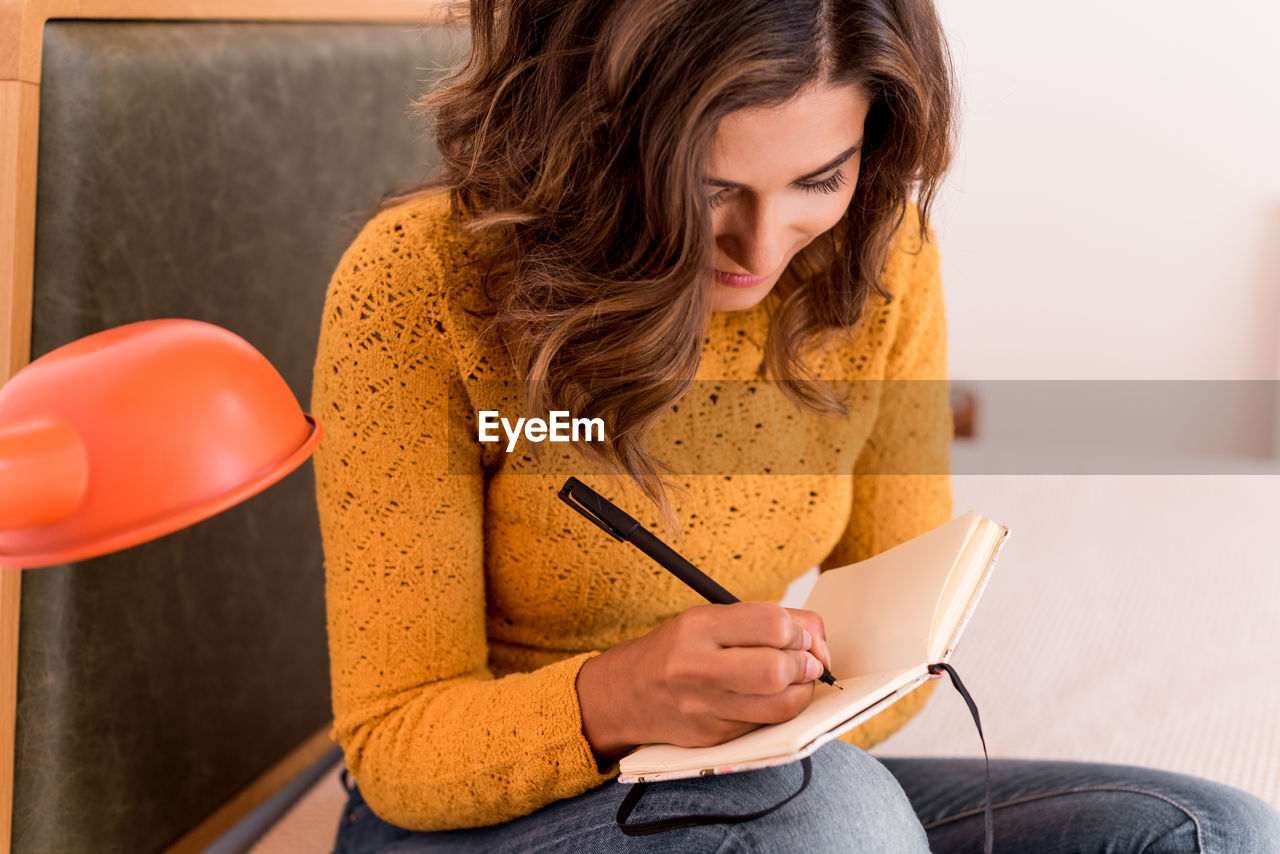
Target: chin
738 299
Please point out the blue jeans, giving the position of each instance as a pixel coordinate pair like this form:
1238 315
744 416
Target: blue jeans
857 802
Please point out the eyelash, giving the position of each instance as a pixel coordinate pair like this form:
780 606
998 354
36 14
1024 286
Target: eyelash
829 185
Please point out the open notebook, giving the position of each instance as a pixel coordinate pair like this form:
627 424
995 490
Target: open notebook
887 619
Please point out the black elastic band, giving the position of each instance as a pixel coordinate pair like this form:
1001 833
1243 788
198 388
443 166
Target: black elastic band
955 680
646 828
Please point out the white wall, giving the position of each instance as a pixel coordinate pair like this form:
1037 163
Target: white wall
1114 208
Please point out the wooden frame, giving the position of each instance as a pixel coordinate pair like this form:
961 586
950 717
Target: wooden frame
22 27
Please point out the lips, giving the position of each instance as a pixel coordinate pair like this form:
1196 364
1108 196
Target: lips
737 280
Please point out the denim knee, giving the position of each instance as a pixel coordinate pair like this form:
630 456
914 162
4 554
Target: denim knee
1221 819
1238 821
853 803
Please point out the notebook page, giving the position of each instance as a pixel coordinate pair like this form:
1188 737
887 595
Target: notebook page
878 612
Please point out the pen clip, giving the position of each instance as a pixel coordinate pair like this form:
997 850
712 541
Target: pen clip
566 495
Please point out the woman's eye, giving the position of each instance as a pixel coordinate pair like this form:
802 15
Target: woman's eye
827 185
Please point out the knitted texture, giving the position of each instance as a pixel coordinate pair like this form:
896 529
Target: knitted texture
463 596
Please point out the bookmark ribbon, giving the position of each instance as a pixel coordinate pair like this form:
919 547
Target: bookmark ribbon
973 710
646 828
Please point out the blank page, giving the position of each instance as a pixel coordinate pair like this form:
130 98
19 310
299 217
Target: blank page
878 612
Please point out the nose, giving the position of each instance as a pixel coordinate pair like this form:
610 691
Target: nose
753 236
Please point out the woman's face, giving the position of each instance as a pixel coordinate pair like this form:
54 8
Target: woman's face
778 177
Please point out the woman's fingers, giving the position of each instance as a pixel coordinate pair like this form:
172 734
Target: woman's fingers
755 624
762 669
812 622
722 670
770 708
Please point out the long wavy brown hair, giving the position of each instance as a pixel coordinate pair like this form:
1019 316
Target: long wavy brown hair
576 131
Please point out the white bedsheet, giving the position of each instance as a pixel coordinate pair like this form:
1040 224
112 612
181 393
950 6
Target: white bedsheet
1130 619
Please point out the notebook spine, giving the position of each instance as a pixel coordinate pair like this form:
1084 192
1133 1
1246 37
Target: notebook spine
973 600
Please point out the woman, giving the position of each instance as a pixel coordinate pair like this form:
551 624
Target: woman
694 222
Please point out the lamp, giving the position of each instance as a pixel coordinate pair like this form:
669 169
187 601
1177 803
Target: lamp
138 431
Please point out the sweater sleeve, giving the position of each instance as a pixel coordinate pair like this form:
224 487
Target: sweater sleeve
434 741
901 481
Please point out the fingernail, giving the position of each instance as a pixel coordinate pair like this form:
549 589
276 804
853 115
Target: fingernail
806 640
812 668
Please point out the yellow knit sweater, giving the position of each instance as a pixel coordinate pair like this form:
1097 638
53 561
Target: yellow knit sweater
463 596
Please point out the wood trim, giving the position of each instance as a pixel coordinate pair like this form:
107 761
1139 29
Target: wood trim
21 43
255 794
22 21
19 113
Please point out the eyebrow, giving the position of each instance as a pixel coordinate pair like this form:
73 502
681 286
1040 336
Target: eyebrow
840 158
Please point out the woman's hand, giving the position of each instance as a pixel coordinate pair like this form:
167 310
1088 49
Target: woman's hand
711 674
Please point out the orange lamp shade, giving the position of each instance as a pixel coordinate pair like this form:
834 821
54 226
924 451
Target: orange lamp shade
138 431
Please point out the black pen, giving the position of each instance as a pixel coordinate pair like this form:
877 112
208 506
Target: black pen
623 528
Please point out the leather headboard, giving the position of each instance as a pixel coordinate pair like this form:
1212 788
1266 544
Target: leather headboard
209 170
